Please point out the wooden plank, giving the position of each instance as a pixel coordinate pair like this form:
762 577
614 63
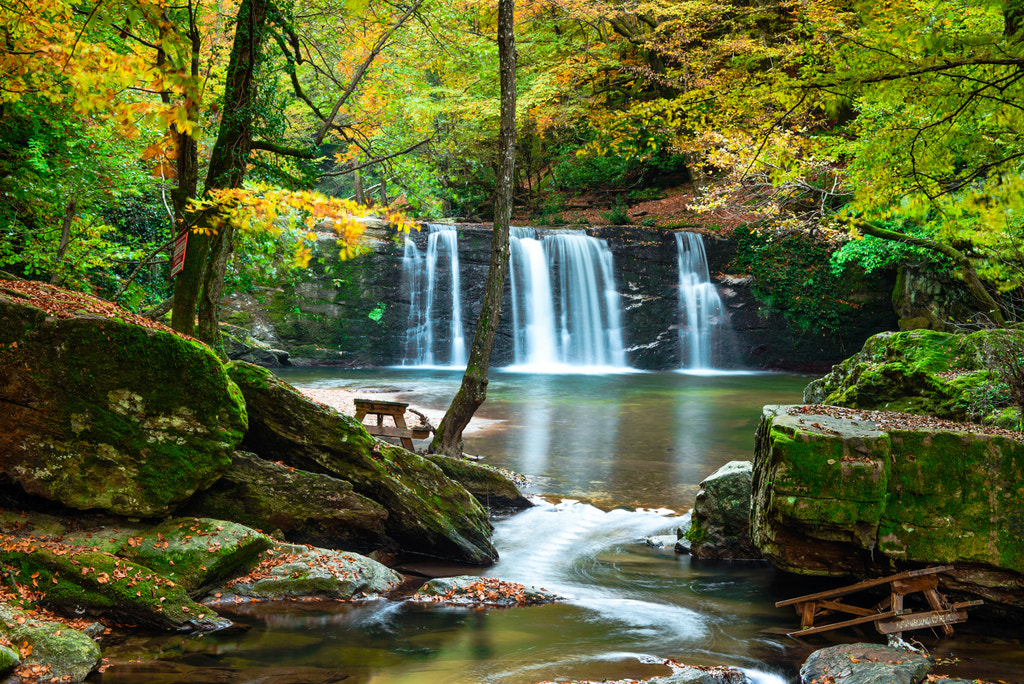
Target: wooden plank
378 406
844 623
841 607
913 621
866 584
388 431
913 584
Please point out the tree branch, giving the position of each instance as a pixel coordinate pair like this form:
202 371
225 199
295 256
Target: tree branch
378 160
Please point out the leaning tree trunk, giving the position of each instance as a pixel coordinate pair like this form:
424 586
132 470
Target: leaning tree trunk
987 303
201 284
473 391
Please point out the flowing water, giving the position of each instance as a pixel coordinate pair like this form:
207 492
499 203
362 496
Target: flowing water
622 449
434 336
705 335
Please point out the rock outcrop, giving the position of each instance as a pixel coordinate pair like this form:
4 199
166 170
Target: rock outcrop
52 651
305 507
837 493
428 512
720 523
940 374
495 491
99 413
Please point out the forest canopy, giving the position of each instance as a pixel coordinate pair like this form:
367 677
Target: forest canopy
124 123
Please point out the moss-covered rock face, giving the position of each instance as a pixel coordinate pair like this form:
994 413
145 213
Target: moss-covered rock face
720 523
427 512
307 508
927 372
60 653
196 553
76 579
9 659
310 571
493 489
103 414
839 496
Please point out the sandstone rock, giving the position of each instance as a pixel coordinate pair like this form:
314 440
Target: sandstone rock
313 572
196 552
933 373
104 414
837 496
720 524
495 491
308 508
66 654
864 664
428 512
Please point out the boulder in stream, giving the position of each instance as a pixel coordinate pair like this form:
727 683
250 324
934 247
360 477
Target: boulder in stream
845 492
428 512
103 413
864 664
488 591
720 523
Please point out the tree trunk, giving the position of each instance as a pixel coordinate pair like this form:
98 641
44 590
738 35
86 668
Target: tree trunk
65 238
988 305
473 391
201 284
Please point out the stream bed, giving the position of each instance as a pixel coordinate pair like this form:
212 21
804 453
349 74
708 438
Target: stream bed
616 458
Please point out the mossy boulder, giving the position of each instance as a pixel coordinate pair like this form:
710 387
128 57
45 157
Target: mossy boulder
104 414
839 495
53 652
9 659
428 512
196 553
493 489
485 591
77 579
314 572
927 372
720 521
307 508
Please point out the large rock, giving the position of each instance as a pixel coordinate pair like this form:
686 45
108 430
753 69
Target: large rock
307 508
836 494
300 572
493 489
77 579
103 414
720 524
864 664
53 652
196 553
428 512
932 373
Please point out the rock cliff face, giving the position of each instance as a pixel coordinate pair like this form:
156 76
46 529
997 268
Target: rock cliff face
98 413
356 312
843 495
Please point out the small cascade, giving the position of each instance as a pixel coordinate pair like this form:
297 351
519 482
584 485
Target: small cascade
706 325
566 310
432 278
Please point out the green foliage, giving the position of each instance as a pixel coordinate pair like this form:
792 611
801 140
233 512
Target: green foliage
619 215
792 276
874 254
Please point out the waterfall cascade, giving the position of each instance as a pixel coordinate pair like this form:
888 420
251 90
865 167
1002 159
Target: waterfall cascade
705 324
565 308
432 278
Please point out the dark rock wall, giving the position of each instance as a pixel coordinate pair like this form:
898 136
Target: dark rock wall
328 316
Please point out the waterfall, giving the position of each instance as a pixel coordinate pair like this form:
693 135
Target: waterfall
432 278
565 308
700 306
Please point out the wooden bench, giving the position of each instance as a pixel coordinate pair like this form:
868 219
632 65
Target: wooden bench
889 616
395 409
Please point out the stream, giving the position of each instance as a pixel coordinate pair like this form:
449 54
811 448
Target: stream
616 458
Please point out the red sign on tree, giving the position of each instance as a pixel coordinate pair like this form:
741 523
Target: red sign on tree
178 260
